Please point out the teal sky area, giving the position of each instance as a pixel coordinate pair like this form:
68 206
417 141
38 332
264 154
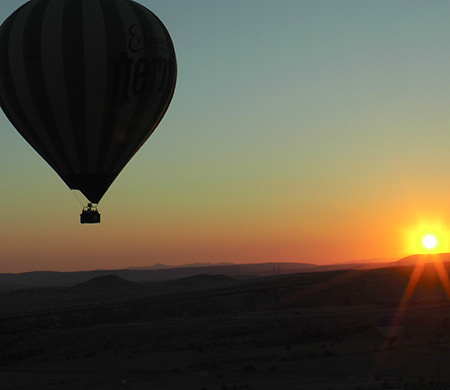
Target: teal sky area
309 131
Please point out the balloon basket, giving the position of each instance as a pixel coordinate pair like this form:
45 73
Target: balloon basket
90 214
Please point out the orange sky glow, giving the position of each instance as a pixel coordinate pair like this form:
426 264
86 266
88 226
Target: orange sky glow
322 139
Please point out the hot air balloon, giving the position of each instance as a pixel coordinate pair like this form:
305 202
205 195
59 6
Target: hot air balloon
86 82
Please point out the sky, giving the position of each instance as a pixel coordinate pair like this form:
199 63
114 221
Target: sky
307 131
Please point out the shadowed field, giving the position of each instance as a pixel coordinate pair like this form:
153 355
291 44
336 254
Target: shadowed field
309 330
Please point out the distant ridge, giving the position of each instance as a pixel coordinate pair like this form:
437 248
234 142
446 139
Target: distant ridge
106 283
427 257
165 266
159 274
163 273
154 266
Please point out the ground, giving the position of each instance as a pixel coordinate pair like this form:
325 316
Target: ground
316 332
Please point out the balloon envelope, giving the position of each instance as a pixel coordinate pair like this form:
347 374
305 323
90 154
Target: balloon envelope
86 82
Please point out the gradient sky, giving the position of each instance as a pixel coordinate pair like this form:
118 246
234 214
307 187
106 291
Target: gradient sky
308 131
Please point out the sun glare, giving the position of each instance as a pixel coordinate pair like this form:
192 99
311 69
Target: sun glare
429 241
427 238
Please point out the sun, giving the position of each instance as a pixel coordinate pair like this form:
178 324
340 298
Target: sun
427 238
429 241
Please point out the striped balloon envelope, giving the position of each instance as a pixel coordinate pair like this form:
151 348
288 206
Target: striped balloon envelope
86 82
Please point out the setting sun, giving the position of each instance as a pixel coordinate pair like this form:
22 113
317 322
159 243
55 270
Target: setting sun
429 241
427 238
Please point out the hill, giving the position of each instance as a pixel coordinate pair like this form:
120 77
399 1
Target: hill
218 332
162 273
66 279
414 259
106 283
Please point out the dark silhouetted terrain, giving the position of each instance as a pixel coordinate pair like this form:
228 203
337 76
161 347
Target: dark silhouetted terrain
160 272
312 330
